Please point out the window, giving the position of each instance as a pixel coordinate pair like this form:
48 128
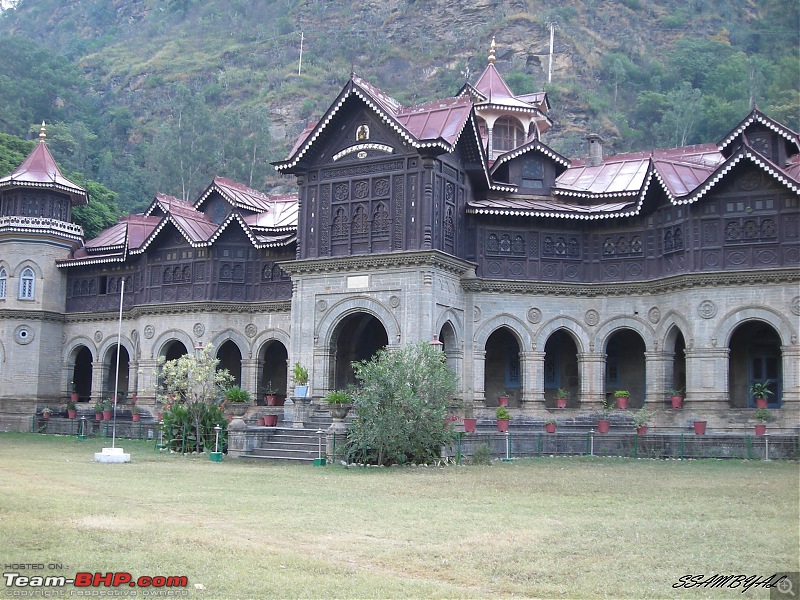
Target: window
3 279
533 172
507 134
26 284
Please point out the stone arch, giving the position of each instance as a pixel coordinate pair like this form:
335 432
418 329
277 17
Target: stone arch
604 330
626 364
517 326
273 355
580 335
357 336
755 356
107 361
324 330
25 264
786 329
456 323
562 367
674 338
171 335
234 336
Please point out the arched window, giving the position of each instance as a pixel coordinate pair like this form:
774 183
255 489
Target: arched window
507 134
3 279
26 284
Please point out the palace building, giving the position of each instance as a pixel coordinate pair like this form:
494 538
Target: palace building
451 222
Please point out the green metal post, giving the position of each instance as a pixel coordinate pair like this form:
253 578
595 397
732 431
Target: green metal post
183 439
749 445
539 445
588 442
681 451
635 445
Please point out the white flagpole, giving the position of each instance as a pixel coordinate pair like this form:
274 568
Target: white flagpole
119 348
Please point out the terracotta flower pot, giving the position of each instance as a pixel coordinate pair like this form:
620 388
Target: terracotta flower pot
136 417
761 403
677 402
561 403
270 420
470 425
502 401
641 430
761 428
98 416
72 413
622 402
700 427
260 421
45 416
550 427
108 415
502 425
603 425
74 396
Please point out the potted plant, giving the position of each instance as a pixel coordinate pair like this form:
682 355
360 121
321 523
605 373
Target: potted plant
562 396
237 400
676 397
98 411
603 419
270 420
622 397
271 396
762 416
46 412
339 403
300 376
502 400
470 422
503 417
699 427
550 426
108 410
72 411
136 413
73 391
640 420
760 391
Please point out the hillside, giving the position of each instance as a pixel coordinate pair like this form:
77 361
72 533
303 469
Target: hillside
147 95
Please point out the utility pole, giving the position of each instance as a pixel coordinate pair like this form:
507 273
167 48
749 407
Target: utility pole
300 62
550 65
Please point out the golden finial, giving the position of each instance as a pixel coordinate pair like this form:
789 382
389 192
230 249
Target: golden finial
42 132
491 53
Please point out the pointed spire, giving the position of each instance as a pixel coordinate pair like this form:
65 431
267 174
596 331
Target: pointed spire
491 52
42 132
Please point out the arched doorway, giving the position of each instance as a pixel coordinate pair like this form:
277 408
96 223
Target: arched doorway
230 358
502 372
117 378
755 357
447 336
357 337
82 373
561 369
676 377
625 366
273 358
174 349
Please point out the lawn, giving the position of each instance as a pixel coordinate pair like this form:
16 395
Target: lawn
538 528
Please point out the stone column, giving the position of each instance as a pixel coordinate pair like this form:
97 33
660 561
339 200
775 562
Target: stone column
250 376
707 378
791 378
479 364
532 364
657 365
98 379
592 373
147 378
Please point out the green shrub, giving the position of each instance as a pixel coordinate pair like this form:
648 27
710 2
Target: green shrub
401 406
482 455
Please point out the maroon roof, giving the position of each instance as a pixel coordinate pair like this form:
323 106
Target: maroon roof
237 194
40 170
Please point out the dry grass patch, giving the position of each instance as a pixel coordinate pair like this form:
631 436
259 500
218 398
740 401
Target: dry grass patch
539 528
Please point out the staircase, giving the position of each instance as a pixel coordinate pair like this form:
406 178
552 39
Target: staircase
295 444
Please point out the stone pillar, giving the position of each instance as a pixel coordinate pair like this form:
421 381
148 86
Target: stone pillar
791 378
250 376
657 366
479 364
707 377
532 364
592 373
98 378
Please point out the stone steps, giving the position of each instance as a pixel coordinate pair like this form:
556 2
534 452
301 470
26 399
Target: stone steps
290 444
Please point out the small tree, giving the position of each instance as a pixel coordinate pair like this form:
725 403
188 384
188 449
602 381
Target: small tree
401 405
195 382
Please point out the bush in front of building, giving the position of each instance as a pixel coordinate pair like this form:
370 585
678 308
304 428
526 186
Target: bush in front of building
400 406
